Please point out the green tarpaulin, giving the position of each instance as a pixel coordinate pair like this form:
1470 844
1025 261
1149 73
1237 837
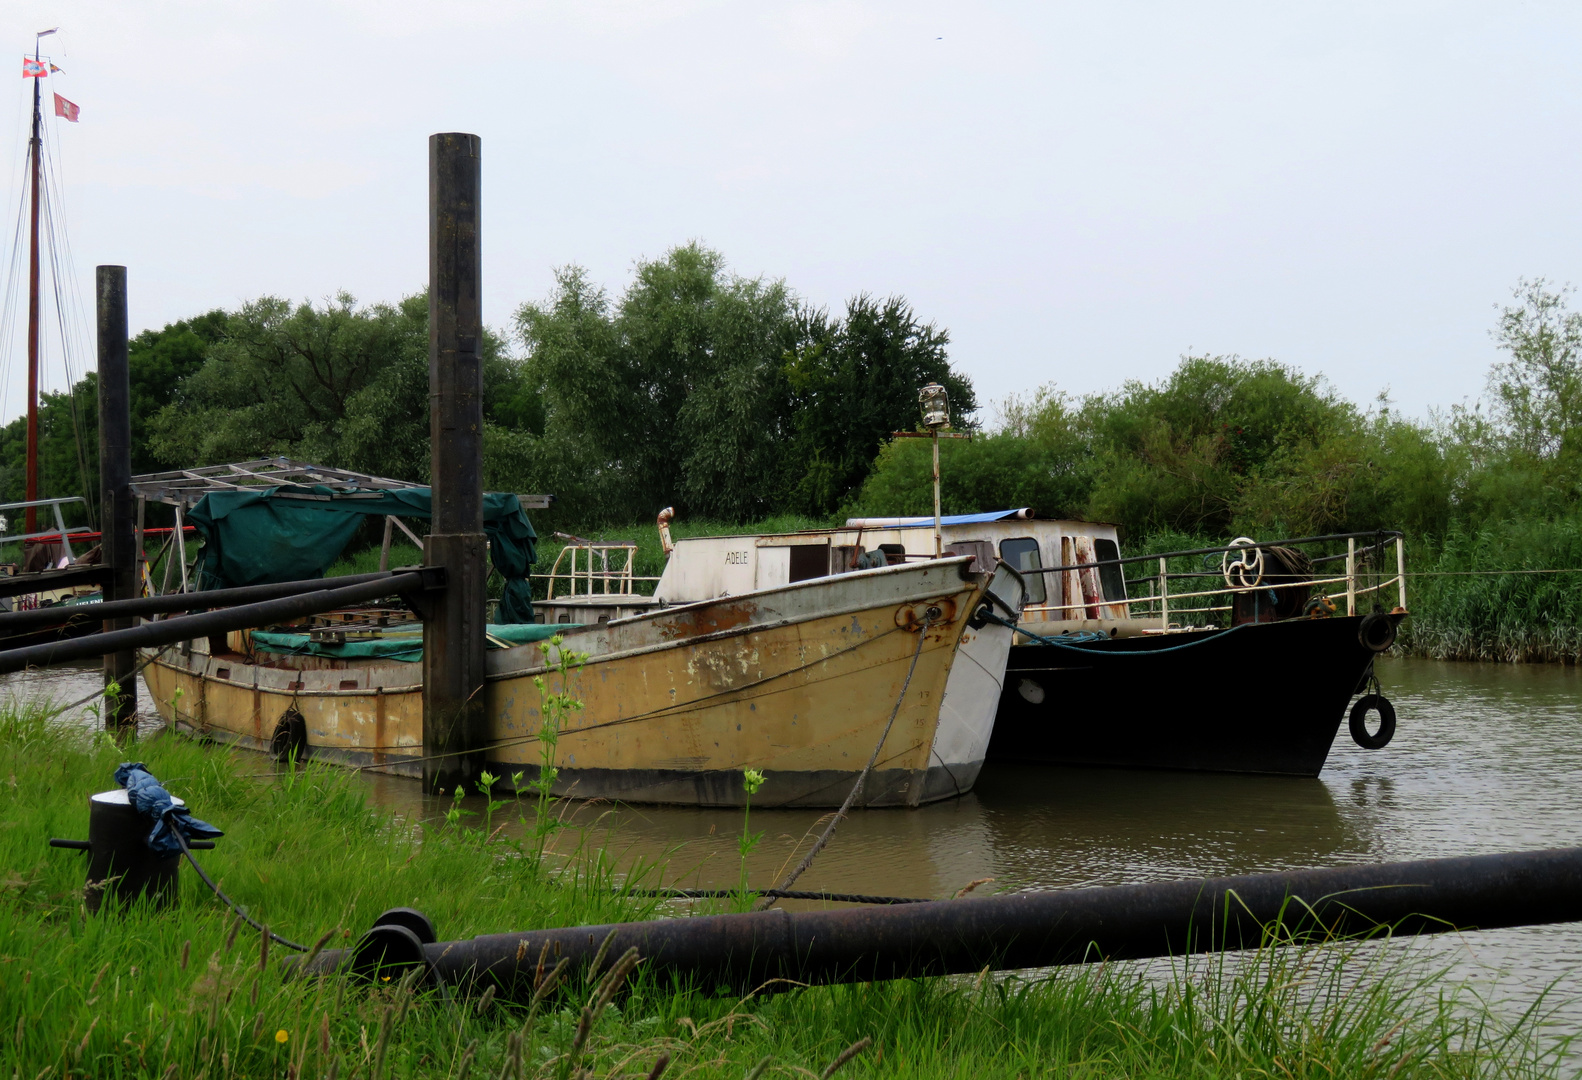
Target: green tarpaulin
296 533
405 646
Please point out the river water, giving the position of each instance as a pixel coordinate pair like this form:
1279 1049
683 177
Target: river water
1486 758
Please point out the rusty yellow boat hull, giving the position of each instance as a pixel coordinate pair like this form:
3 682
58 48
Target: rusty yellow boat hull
801 682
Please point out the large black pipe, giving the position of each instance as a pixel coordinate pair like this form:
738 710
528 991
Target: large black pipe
15 622
246 616
118 540
1031 930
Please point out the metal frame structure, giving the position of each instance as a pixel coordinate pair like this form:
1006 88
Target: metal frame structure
182 488
59 530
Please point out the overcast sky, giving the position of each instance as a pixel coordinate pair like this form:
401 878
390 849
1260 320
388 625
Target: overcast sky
1079 192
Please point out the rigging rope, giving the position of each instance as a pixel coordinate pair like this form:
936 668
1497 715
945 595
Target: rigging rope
862 778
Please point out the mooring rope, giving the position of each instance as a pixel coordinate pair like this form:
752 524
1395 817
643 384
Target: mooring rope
780 894
260 927
862 778
100 693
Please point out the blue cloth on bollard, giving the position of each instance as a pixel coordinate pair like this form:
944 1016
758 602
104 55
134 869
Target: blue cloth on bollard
148 797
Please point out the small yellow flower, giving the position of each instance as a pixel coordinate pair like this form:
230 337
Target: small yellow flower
282 1035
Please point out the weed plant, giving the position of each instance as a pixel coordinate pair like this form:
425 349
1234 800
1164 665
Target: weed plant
191 992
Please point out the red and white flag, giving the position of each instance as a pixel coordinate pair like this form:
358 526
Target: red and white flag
66 109
34 69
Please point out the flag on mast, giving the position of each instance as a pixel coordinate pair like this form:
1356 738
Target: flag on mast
34 69
66 109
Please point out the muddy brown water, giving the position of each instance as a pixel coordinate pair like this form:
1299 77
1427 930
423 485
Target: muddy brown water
1486 758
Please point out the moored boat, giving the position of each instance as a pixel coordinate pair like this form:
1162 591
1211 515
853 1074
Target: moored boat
804 682
1195 665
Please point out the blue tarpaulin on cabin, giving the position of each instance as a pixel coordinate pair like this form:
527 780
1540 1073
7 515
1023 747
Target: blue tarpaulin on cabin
275 534
956 519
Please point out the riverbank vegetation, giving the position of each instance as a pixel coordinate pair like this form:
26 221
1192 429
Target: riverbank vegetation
737 401
192 993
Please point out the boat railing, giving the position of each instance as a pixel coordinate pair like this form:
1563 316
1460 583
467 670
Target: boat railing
592 568
1173 595
58 533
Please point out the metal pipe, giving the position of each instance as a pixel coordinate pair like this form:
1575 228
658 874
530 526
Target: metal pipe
1043 929
117 542
169 631
939 536
14 622
666 516
455 727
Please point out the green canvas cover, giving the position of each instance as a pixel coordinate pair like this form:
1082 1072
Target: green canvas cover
296 533
407 647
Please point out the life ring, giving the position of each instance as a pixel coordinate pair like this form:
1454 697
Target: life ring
1377 632
290 740
1359 722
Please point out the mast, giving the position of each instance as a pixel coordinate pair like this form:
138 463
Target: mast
32 313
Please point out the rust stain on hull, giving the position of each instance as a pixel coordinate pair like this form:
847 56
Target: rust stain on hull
710 619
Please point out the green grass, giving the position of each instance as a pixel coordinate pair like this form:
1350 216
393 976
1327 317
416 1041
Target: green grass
148 994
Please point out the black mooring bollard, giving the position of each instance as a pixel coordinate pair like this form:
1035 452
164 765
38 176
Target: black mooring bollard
120 861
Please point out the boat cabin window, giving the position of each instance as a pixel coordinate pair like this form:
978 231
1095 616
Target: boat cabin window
809 561
1022 554
1111 577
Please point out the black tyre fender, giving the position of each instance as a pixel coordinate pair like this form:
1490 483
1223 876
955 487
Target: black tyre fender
1359 722
1377 632
290 739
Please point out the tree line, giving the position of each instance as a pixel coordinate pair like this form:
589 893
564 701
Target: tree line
1226 447
729 396
734 399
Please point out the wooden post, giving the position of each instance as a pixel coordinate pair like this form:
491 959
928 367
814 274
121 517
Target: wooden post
142 574
1400 572
1164 595
454 636
118 544
1351 576
384 548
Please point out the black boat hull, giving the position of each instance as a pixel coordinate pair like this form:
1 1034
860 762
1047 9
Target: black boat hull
1257 698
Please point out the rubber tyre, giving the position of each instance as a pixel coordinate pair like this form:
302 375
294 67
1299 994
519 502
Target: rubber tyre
290 739
1359 722
1377 632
